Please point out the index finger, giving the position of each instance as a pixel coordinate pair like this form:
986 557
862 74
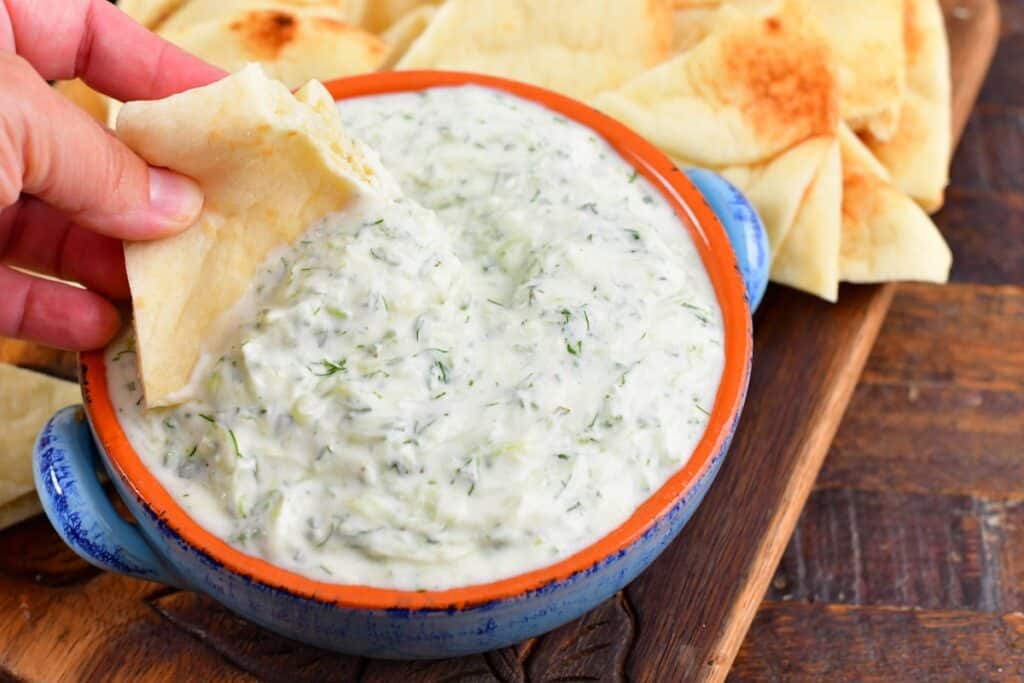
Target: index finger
95 41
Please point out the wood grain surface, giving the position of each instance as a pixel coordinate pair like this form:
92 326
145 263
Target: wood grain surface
917 537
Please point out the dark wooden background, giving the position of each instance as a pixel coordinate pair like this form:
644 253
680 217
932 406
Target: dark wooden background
908 561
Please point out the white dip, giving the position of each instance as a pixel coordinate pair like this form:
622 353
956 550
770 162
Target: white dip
430 399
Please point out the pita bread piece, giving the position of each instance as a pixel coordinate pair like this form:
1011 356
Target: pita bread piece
745 94
808 258
578 48
918 154
270 163
27 400
294 44
867 38
886 235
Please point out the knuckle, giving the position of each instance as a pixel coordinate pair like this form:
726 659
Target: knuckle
122 173
10 166
23 109
14 304
16 77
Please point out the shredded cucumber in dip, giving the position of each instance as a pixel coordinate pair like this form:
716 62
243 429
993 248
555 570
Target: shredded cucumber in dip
453 388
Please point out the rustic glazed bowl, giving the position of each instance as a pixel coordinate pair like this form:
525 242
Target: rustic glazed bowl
167 546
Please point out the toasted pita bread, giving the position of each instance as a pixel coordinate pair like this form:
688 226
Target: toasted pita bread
27 400
744 95
270 164
579 48
808 258
885 235
294 44
918 153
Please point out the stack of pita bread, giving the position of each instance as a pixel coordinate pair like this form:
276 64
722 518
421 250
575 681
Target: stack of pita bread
833 116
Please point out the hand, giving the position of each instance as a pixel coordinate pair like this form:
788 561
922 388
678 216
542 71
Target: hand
69 190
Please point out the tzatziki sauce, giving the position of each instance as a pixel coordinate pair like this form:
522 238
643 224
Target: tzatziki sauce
469 382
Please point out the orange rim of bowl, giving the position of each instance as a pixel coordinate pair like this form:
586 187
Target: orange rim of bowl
716 254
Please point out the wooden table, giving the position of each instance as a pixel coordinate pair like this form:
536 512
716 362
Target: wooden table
908 561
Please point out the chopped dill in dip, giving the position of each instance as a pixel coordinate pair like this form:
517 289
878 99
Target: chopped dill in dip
456 387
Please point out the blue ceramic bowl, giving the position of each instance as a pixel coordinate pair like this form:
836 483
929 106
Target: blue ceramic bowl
169 547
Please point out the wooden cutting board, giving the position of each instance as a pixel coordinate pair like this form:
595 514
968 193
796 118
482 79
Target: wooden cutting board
682 620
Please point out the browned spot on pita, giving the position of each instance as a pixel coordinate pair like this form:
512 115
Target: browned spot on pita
866 197
780 73
265 32
860 193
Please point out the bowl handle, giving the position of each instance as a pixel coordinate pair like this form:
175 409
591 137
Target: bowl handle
742 225
64 464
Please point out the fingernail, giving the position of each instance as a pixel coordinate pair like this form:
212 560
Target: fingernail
174 197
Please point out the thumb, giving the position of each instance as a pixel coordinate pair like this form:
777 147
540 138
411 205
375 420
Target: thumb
56 153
